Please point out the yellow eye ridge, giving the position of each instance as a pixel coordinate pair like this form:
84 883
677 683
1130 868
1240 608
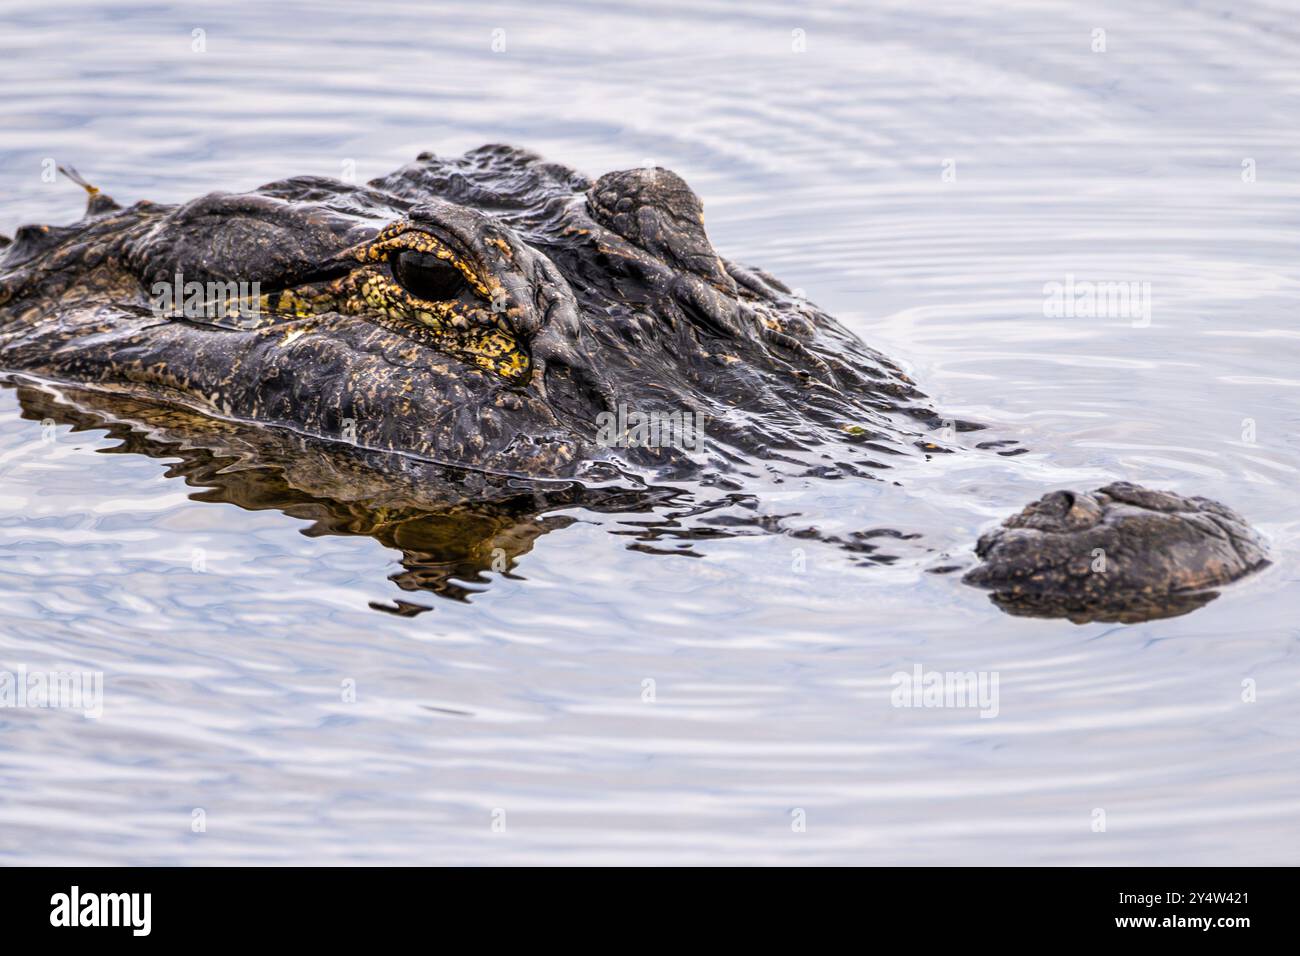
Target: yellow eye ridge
475 335
401 237
474 332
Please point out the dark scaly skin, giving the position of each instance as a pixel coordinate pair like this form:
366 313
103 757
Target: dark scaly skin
593 295
481 313
1120 553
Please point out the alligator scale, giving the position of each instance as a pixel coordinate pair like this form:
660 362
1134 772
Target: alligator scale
431 358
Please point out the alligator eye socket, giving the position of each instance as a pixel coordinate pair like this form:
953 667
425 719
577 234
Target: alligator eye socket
427 277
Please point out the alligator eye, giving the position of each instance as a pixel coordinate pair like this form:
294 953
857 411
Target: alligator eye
427 277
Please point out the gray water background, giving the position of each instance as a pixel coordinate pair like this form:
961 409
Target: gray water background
818 137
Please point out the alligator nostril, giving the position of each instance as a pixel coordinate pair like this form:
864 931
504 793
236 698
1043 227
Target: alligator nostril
1074 512
1059 511
1059 503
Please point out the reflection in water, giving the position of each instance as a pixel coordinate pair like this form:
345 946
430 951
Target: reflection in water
451 525
1124 608
455 527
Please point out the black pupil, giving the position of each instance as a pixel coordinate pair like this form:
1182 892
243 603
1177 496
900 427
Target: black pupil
427 277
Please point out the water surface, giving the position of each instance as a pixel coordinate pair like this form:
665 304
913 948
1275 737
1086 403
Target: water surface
921 175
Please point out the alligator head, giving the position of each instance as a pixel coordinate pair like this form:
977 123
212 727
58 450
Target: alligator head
492 311
500 313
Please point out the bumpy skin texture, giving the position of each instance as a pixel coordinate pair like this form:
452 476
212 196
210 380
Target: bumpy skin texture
599 294
1121 552
482 312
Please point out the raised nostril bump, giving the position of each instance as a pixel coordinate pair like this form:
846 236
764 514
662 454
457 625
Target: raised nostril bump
1060 511
1059 503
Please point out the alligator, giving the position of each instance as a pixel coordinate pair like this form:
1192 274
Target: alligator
472 342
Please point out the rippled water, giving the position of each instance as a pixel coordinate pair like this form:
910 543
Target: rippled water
823 142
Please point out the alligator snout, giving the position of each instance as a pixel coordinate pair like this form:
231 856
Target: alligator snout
1120 553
